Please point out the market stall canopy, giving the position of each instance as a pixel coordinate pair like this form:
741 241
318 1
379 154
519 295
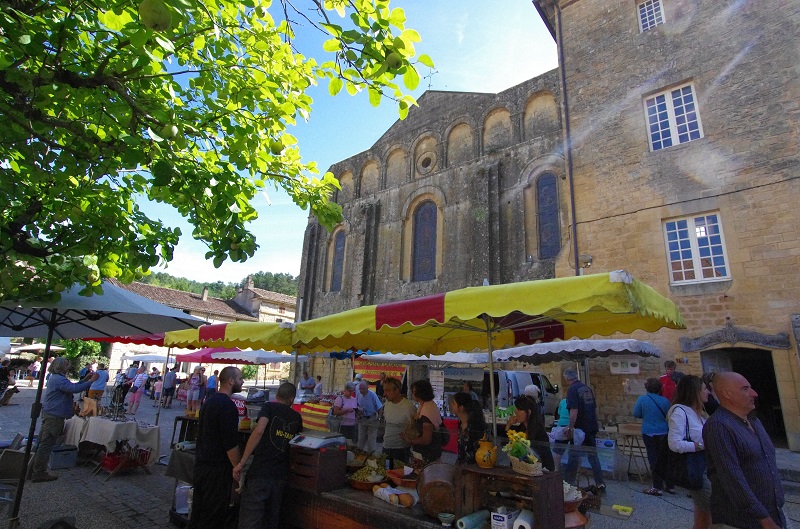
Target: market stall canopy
144 357
496 316
233 355
115 312
34 348
575 351
140 339
460 357
270 336
258 356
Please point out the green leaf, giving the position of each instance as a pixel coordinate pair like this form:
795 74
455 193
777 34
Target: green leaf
162 173
411 78
140 38
374 96
332 45
427 61
335 86
24 39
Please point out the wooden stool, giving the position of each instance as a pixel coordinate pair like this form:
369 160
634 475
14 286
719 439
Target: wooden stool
632 445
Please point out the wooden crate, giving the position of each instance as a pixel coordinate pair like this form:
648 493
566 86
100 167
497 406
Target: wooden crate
317 470
484 488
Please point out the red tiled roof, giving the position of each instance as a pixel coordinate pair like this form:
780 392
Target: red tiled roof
274 297
189 301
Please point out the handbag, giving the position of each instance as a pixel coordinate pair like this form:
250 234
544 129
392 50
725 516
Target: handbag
684 470
333 422
133 389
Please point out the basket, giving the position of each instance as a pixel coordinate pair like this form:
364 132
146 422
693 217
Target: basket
364 485
529 469
592 501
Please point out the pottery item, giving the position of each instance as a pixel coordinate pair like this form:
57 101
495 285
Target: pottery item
486 454
436 489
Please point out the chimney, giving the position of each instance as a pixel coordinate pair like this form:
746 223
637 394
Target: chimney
204 296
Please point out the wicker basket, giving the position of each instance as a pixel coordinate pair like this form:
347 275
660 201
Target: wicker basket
529 469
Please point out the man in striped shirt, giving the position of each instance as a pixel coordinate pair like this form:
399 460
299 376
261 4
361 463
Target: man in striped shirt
746 489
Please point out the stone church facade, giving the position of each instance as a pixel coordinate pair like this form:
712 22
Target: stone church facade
443 200
683 121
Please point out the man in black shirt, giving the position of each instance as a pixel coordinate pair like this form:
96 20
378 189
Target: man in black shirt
217 454
582 414
266 479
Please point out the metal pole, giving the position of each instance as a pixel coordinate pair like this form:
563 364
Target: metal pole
486 321
160 398
13 521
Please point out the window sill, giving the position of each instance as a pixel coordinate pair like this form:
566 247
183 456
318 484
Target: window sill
701 287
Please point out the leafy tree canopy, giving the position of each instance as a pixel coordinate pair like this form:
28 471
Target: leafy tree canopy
280 282
184 102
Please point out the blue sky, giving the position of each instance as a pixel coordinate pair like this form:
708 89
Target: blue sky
478 46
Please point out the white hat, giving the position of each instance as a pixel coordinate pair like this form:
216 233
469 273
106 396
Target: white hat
358 376
532 390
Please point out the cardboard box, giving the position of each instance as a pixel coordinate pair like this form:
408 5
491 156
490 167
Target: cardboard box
504 520
64 456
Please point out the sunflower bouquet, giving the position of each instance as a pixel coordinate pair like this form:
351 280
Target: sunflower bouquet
523 458
519 446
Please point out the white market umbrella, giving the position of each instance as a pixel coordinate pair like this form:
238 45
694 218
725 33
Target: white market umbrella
575 351
116 312
145 357
258 356
35 347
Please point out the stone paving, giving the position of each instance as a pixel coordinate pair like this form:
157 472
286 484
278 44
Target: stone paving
135 499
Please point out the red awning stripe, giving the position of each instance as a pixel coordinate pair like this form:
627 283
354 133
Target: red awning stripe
416 311
213 332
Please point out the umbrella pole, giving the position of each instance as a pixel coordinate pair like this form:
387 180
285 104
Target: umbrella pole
160 398
491 376
13 521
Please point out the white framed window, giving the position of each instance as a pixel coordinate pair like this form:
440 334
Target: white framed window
650 15
696 249
672 117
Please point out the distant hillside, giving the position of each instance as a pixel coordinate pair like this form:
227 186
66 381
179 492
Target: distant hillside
282 283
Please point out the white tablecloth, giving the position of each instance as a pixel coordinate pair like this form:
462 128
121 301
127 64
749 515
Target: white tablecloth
104 432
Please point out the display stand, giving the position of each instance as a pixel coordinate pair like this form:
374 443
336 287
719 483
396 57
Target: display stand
489 488
186 432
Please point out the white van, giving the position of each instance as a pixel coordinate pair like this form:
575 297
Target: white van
509 385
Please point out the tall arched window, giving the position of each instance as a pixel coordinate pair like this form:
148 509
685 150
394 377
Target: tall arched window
337 264
423 265
547 216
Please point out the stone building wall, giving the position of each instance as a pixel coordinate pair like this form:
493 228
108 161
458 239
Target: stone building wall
477 157
745 167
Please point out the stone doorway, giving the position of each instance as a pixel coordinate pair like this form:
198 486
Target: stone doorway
756 365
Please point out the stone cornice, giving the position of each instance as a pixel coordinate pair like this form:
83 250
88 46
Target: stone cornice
730 334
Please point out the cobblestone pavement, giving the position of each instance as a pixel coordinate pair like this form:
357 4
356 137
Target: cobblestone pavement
135 499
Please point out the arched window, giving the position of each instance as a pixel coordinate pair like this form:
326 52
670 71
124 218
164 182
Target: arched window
423 266
338 261
547 213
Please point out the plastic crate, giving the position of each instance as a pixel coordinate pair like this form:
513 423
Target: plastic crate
64 456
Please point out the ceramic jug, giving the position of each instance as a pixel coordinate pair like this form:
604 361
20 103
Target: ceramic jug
486 454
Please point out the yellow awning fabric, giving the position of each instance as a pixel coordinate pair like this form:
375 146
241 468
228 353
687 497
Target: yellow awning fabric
515 313
466 319
269 336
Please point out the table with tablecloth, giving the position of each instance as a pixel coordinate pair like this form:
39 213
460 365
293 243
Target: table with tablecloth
106 433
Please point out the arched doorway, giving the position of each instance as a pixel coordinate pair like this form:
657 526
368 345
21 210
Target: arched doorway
756 365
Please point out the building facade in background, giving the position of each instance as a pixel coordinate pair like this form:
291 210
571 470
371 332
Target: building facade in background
683 124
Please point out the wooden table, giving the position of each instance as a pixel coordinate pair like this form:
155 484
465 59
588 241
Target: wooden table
143 440
186 432
348 508
480 488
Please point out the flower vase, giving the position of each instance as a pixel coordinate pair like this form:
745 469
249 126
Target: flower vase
486 454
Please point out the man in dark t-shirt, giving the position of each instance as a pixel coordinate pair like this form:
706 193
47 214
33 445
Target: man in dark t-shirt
217 454
266 478
582 414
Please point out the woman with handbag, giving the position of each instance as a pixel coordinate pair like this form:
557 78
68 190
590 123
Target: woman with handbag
425 447
685 436
652 408
344 407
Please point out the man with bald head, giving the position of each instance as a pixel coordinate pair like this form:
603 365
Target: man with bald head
746 489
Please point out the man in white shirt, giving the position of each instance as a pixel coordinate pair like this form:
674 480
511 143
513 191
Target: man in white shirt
397 412
368 407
